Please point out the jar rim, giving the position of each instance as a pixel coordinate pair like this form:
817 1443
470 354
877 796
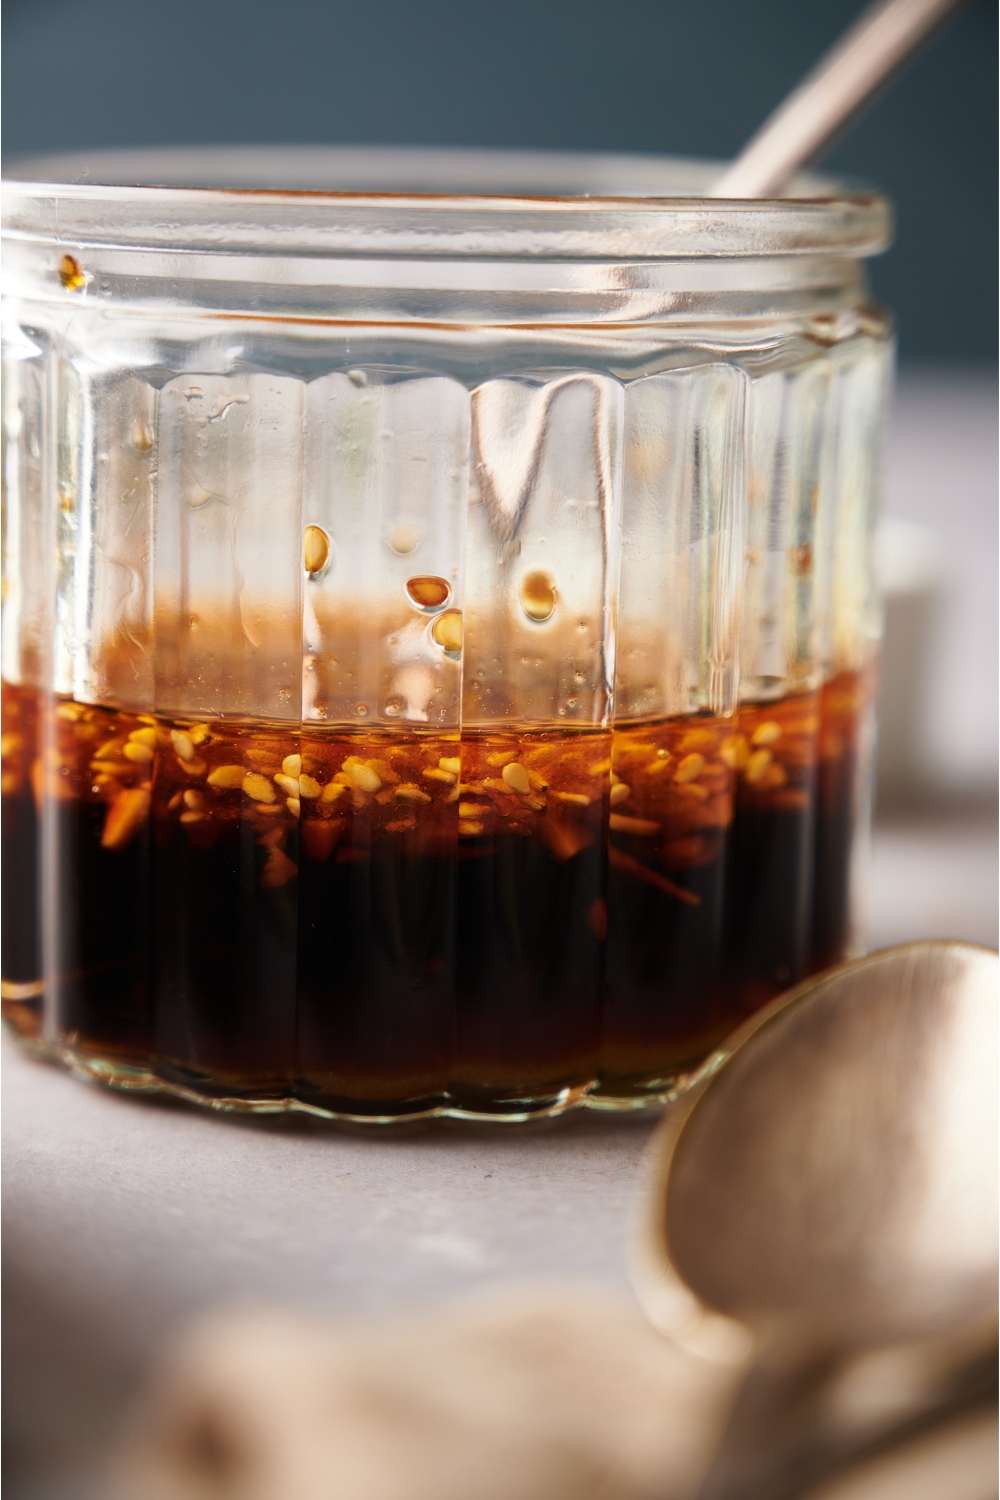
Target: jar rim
444 202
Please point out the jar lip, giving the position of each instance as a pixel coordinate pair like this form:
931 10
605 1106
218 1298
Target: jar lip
439 201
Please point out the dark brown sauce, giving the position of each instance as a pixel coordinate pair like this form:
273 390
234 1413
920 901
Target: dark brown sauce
19 866
379 923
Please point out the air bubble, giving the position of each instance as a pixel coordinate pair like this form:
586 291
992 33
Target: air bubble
428 591
538 596
394 707
316 550
404 539
447 631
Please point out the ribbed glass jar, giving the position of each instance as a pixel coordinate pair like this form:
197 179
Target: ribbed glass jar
438 626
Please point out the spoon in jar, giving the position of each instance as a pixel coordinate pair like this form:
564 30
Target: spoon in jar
822 1197
830 97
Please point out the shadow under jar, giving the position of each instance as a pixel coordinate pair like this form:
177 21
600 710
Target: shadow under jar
439 629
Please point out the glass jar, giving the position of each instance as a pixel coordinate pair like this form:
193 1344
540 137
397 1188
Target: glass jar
438 626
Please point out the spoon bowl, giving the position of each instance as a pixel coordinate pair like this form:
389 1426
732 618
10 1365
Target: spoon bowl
835 1163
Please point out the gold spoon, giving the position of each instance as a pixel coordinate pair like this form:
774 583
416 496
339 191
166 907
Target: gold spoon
824 1194
831 96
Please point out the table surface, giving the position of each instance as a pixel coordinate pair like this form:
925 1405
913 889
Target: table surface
124 1216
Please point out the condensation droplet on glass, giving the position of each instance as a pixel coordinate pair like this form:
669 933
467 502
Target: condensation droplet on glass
538 596
572 702
361 710
427 591
447 631
141 438
403 539
357 377
579 677
394 707
315 550
71 273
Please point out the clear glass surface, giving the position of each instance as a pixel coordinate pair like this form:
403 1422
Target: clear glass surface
438 629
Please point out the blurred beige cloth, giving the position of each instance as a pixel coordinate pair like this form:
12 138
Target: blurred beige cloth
543 1394
955 1462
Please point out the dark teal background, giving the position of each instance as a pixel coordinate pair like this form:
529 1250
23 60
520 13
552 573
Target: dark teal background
687 76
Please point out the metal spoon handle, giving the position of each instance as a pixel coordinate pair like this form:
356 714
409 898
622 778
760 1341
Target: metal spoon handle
826 99
789 1432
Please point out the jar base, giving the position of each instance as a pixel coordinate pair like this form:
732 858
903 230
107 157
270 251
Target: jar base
133 1078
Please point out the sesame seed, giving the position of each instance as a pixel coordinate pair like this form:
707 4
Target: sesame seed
137 753
735 752
315 549
516 777
258 787
447 631
757 765
767 733
362 777
690 767
227 778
